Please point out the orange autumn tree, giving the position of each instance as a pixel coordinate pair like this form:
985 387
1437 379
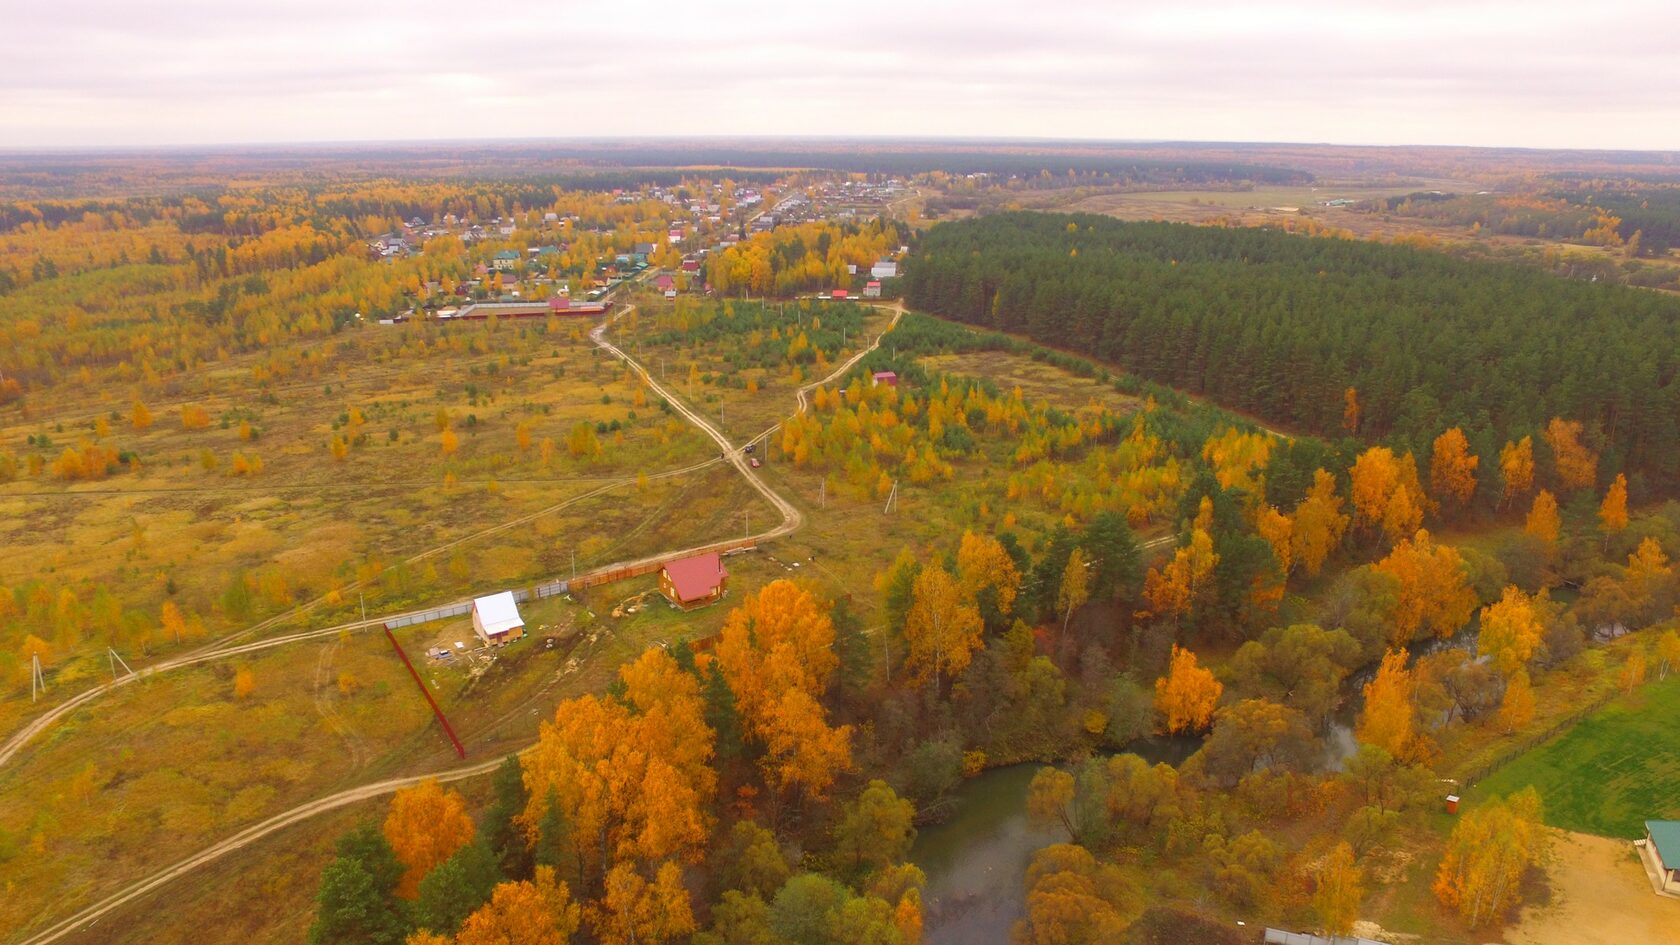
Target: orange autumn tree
1388 718
777 653
982 562
1187 695
535 912
1613 512
1511 630
1516 468
425 826
1516 707
1576 464
1452 468
1434 595
1350 411
1279 531
1386 492
1171 590
631 774
1543 521
1318 524
635 911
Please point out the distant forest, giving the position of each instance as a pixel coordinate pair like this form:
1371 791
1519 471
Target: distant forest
1281 325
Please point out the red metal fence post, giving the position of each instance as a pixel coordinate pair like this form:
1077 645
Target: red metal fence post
447 728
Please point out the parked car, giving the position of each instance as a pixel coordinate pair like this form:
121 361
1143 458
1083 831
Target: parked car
755 463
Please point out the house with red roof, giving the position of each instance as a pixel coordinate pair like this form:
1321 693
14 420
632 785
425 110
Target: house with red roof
694 582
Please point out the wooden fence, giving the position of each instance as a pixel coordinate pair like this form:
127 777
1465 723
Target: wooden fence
1533 740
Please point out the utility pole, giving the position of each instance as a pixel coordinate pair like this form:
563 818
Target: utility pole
892 498
37 680
574 564
362 600
116 658
822 496
747 514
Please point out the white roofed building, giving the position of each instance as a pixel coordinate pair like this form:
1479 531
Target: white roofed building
496 619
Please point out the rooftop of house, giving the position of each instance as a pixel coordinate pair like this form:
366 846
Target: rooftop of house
696 577
1665 836
498 613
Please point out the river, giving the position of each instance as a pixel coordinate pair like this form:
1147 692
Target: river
976 861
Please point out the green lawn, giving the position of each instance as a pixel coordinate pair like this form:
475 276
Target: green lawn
1607 775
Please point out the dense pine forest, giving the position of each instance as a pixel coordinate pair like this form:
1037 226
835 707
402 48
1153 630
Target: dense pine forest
1327 335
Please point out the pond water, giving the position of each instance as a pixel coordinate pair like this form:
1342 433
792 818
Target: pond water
976 861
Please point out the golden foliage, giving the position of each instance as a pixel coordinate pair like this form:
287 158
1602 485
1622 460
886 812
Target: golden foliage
1187 695
1543 521
1434 595
1490 849
1576 464
1516 468
425 826
1613 511
1452 468
1387 721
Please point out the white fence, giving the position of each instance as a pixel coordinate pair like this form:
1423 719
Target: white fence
551 589
1280 937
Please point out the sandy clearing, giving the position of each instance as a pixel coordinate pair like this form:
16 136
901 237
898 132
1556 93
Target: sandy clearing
1600 896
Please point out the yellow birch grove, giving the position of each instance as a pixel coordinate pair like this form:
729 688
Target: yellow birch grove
1490 849
1338 891
1171 590
983 563
535 912
1187 695
426 825
1386 492
632 774
1516 707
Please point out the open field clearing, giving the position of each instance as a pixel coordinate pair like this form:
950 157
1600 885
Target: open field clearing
1037 380
1611 772
392 519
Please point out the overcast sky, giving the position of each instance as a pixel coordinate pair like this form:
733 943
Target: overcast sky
1541 73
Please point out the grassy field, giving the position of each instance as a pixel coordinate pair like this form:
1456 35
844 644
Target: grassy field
1608 774
394 519
1037 380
